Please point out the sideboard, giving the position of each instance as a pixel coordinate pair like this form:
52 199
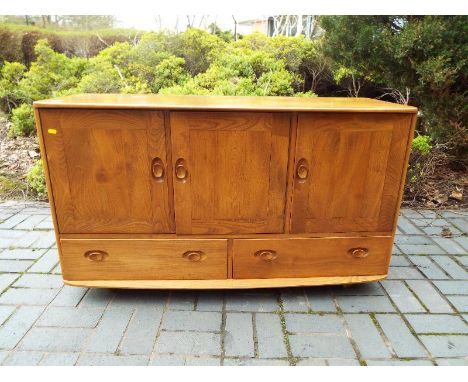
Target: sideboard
207 192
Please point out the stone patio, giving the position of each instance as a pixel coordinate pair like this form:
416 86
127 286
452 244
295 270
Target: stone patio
418 316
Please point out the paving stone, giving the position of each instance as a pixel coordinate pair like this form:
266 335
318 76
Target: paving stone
428 268
452 286
436 323
450 246
438 231
446 346
294 301
255 362
9 237
44 239
186 320
270 336
3 355
55 339
460 302
411 213
452 214
13 221
5 312
404 273
107 335
452 361
463 241
238 340
407 227
14 266
451 267
366 336
176 360
251 302
343 362
412 240
46 263
320 301
23 358
59 359
112 360
365 289
461 224
28 239
192 343
97 298
321 346
39 281
463 260
429 296
401 339
139 299
365 304
395 250
31 221
141 332
18 325
399 261
45 225
182 301
415 362
5 281
69 296
28 296
210 301
69 317
22 254
402 297
313 323
421 249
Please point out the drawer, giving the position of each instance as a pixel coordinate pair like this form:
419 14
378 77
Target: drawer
118 259
314 257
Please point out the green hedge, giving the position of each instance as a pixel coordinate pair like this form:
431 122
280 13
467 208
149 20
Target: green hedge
17 42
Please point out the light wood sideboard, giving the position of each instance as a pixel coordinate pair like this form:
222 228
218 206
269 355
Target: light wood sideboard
187 192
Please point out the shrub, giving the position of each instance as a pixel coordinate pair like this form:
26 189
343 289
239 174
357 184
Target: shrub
36 179
22 121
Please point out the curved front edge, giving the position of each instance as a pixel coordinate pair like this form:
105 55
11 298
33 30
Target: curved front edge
224 284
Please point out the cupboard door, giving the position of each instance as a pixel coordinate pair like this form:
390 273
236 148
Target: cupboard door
348 171
230 171
108 170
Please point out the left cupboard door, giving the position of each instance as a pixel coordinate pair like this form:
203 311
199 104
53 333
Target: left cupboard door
108 170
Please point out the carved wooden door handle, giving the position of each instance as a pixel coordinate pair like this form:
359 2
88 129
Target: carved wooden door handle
302 169
194 255
181 171
157 169
96 255
359 252
266 254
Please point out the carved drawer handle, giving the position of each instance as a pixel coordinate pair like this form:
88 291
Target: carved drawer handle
181 171
157 169
359 252
302 170
194 255
266 254
96 255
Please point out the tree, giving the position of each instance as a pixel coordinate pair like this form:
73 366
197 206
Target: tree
422 60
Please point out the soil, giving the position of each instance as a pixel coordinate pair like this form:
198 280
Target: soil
17 156
445 189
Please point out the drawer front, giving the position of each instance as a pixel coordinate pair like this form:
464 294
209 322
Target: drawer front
316 257
143 259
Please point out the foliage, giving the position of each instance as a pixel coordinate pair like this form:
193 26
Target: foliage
17 42
417 59
10 93
22 121
36 179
